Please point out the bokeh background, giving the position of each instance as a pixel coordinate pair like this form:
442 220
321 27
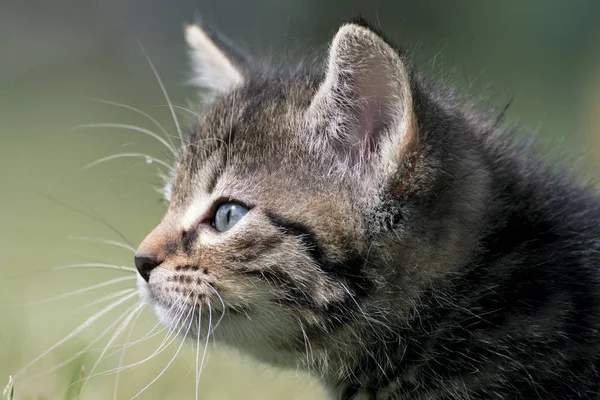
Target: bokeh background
57 58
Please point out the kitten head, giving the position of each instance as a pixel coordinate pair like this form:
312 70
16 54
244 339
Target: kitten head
298 202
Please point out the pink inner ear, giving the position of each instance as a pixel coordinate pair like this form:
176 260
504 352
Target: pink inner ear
373 89
364 98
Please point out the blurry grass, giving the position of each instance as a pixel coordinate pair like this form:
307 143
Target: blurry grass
9 390
76 386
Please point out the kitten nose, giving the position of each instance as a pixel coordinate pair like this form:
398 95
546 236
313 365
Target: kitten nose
145 263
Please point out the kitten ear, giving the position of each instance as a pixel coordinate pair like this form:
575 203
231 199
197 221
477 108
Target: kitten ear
218 66
364 104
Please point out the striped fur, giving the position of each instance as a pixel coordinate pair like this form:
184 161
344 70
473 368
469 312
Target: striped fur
398 246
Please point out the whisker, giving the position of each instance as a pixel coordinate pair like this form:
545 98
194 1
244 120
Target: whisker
105 241
129 128
222 307
72 266
183 109
198 350
147 336
77 330
207 338
142 339
166 95
173 325
116 334
100 300
149 159
171 335
136 110
90 214
150 334
78 291
93 265
170 338
86 349
190 314
122 357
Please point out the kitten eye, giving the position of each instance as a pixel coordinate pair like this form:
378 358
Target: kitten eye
227 215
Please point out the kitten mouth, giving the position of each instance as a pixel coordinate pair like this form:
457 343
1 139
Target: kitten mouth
176 302
172 296
185 313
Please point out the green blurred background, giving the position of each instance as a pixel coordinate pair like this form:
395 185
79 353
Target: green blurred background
56 55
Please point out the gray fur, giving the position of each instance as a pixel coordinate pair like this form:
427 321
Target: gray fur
397 247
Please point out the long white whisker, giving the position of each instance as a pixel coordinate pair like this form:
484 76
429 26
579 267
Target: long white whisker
183 109
93 265
146 337
174 356
74 266
136 110
105 241
115 335
100 300
148 158
86 349
162 87
142 339
207 338
222 307
173 325
122 357
87 212
77 330
82 381
198 350
129 128
170 337
79 291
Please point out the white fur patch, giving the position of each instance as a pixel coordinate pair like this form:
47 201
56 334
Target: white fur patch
213 70
197 209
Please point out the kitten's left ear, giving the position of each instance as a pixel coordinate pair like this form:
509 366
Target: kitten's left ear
218 66
364 105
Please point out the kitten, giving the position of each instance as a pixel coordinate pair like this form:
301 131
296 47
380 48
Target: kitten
354 221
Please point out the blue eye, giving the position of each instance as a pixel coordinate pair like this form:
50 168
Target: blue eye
227 215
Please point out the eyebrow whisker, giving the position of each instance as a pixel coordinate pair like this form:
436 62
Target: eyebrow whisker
147 157
138 111
129 128
79 291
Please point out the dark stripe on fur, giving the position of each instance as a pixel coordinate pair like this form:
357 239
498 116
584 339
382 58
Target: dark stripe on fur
223 147
301 231
349 271
350 268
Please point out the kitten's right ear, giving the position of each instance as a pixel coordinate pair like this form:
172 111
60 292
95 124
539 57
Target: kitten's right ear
218 66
